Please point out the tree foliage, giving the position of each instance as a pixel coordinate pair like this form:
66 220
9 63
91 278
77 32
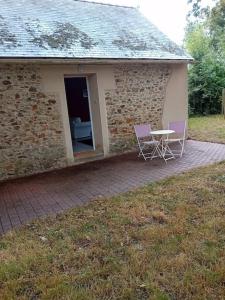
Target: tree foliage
216 22
197 10
205 40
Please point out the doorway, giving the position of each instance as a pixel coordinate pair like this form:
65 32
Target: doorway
79 113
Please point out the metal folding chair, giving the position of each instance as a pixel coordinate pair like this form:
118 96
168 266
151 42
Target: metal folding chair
148 146
179 128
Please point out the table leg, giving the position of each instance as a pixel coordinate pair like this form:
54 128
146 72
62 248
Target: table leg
165 149
156 149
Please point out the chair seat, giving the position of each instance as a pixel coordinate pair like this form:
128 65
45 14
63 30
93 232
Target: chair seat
151 142
173 140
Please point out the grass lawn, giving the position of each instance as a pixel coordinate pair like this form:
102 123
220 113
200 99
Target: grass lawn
210 128
163 241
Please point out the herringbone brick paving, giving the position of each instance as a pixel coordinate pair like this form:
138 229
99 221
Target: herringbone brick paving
25 199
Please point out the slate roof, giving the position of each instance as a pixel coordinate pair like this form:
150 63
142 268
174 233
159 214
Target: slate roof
79 29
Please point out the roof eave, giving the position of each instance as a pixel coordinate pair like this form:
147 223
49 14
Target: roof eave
93 60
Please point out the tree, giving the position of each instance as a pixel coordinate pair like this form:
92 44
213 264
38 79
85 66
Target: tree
216 24
197 10
205 41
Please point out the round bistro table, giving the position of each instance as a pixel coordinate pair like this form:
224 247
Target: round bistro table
164 149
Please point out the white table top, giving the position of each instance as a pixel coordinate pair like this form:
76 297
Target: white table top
162 132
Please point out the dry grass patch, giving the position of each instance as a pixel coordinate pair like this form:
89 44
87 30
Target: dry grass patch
208 129
164 241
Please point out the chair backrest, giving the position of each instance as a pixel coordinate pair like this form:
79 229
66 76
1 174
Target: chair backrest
178 126
142 131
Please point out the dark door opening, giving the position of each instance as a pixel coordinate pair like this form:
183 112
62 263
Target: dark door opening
79 113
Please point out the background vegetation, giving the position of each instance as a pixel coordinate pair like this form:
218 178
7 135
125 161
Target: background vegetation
207 128
205 41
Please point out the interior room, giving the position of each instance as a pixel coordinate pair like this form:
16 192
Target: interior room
79 113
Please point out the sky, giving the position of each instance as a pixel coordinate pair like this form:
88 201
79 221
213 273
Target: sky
168 15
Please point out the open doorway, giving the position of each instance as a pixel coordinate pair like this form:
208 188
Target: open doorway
79 113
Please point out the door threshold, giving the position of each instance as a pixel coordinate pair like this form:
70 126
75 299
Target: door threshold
82 157
87 154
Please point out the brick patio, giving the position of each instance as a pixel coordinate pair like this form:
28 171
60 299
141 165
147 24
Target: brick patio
25 199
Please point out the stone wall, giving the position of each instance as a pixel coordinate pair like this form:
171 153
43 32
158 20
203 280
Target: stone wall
138 98
31 134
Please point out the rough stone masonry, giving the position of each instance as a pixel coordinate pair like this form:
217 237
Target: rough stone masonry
138 98
31 136
31 130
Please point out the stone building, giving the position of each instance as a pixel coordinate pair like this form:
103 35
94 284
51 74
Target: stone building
75 76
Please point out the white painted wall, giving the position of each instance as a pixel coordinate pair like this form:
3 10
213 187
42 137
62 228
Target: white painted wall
176 102
100 79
